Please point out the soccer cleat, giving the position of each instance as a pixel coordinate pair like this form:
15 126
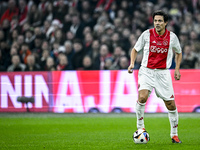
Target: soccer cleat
175 139
143 129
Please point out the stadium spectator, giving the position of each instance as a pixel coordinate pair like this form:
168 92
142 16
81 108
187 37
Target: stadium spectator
43 59
58 37
85 6
13 36
55 25
20 40
38 32
54 52
2 36
88 42
26 26
24 52
50 64
14 24
79 52
7 61
42 5
16 64
77 27
123 62
87 19
108 64
63 63
70 36
69 51
189 60
11 11
23 11
87 63
4 54
47 11
29 38
115 39
37 46
6 28
117 54
31 64
99 63
60 9
34 16
67 22
45 27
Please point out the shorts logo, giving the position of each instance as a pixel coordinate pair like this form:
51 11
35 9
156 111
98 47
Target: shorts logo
138 86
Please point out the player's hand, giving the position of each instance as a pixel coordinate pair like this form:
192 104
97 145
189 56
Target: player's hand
130 68
177 75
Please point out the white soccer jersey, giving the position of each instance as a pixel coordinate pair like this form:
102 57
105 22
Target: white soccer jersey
157 50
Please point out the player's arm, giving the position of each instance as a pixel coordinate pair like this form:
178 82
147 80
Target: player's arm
178 58
133 57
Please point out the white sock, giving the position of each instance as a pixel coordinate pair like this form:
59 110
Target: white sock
140 107
173 118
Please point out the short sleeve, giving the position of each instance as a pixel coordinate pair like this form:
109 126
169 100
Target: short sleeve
140 42
176 44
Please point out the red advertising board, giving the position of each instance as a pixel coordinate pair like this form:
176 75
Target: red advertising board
84 91
81 91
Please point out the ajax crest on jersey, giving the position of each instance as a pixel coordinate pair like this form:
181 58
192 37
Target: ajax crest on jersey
141 136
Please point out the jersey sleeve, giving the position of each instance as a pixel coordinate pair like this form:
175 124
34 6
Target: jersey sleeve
140 42
176 44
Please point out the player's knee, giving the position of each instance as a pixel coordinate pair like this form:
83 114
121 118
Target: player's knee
142 99
170 105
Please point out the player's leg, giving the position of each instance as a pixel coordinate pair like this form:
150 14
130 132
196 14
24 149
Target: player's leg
140 107
145 86
173 118
164 90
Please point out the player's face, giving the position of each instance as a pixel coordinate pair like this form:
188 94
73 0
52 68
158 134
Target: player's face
159 23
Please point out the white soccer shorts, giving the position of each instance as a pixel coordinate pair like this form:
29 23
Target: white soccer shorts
159 79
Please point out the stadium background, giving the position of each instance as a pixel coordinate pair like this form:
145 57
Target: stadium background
87 44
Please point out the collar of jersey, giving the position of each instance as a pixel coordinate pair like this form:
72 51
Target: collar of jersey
161 36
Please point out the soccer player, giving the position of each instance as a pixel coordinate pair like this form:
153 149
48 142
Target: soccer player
157 44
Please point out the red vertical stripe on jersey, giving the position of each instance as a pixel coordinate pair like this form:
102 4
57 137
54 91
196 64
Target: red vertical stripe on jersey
158 49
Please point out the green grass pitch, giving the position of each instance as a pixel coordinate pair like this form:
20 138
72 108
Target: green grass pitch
47 131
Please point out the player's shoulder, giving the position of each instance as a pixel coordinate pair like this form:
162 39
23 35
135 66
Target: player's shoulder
172 34
146 32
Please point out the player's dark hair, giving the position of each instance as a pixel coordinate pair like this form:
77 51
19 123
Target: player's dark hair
161 13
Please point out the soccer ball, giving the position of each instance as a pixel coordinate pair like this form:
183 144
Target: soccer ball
141 136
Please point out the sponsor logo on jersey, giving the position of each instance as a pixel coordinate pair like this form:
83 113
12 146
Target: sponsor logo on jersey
156 49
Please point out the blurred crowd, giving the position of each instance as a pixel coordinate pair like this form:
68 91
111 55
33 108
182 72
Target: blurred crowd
48 35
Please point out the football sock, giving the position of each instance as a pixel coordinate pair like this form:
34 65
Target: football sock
140 107
173 118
